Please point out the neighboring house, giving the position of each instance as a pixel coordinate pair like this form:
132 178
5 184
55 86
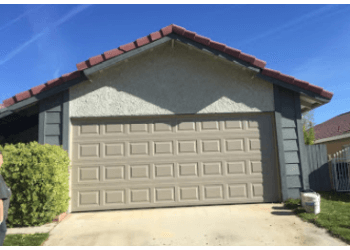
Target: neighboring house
172 119
334 133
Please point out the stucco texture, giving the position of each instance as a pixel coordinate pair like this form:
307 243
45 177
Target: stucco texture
171 80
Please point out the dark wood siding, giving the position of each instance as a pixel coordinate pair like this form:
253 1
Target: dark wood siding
53 121
292 161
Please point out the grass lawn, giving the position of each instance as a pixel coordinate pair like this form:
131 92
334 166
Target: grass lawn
334 215
25 239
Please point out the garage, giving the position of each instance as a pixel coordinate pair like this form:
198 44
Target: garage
173 161
171 119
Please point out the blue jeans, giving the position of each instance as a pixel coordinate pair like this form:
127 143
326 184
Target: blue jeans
3 230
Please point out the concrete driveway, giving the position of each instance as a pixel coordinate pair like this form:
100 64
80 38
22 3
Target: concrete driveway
226 225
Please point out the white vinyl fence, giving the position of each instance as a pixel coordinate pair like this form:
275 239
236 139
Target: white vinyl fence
340 167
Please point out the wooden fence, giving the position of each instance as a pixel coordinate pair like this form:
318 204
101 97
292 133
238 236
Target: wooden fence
319 170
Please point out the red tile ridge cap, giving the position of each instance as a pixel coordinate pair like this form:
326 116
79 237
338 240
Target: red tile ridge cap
172 28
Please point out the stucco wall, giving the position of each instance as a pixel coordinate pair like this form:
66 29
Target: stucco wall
335 146
170 80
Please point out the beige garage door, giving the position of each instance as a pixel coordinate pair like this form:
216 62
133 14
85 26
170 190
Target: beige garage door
173 161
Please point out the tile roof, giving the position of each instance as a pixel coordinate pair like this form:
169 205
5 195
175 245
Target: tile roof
153 37
335 126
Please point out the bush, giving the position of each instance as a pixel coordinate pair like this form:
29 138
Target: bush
39 180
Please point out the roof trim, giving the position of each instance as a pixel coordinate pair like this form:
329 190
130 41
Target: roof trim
333 138
293 87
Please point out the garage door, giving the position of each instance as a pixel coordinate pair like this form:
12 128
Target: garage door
173 161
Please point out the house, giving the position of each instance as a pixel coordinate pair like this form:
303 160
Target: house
334 133
171 119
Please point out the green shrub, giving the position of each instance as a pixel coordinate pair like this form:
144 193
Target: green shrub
309 136
39 180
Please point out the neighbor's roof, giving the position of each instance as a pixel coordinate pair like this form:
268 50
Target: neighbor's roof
336 126
153 37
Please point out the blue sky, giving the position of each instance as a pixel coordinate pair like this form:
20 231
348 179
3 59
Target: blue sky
309 42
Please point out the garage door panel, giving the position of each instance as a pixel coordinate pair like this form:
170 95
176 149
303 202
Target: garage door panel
173 135
237 191
159 195
164 170
171 170
166 195
171 181
185 125
172 161
165 148
214 192
140 195
212 168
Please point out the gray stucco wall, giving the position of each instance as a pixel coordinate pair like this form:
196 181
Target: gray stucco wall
179 80
289 140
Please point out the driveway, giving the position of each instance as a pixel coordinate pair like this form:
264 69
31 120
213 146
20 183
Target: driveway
226 225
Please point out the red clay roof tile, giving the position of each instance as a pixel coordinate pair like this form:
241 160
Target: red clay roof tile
95 60
70 76
128 47
189 34
38 89
218 46
286 78
301 83
259 63
142 41
271 73
327 94
112 53
179 30
82 65
155 36
54 82
167 30
22 96
232 52
9 101
247 58
202 40
315 89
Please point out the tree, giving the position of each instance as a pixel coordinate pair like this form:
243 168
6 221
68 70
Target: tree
308 127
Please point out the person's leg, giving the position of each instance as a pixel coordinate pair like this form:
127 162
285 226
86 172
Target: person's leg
3 230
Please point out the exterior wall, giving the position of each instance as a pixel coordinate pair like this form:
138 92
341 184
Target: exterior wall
53 121
292 161
335 146
171 81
